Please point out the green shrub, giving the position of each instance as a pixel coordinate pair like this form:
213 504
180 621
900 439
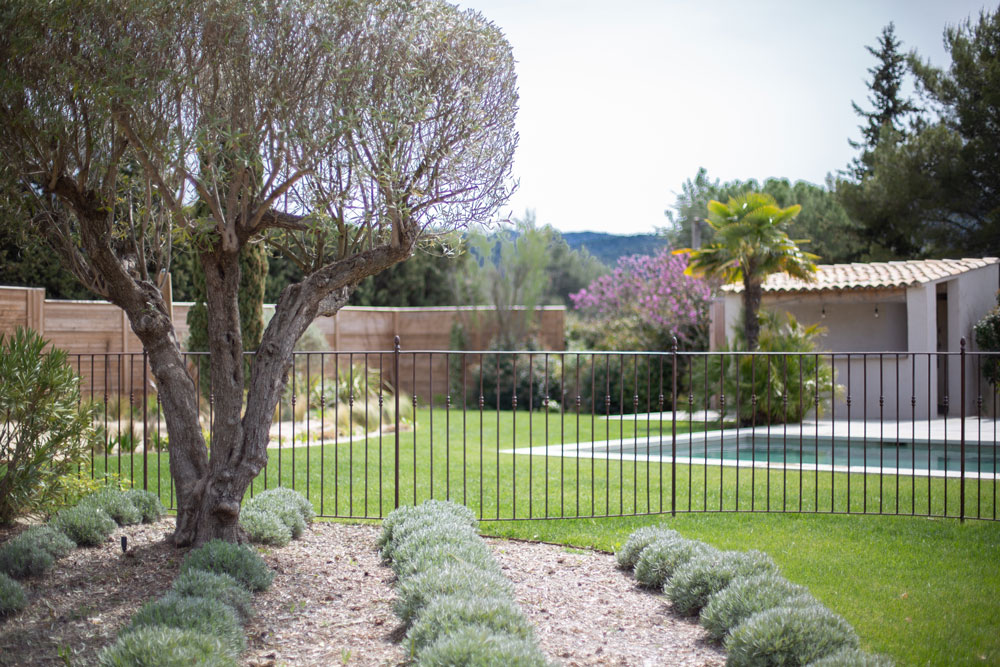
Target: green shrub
115 504
639 540
462 579
852 657
706 574
447 613
987 332
45 436
430 511
788 636
289 497
240 562
86 525
221 587
415 557
428 535
746 596
49 539
658 561
432 520
199 614
148 504
391 520
21 558
475 645
12 596
265 527
163 646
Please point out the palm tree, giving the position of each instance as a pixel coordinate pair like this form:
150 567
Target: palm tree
749 245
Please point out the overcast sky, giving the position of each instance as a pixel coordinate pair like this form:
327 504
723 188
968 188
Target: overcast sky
621 102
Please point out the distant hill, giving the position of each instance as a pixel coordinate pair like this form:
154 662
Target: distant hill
609 247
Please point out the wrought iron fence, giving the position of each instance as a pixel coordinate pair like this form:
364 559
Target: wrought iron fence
551 435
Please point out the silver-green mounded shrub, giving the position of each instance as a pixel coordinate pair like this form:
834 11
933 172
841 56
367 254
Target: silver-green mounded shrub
148 504
199 614
21 558
286 496
163 646
12 596
86 525
744 597
658 561
697 580
432 520
115 504
447 613
852 657
265 527
461 579
48 538
476 645
240 562
443 510
783 636
221 587
415 557
639 540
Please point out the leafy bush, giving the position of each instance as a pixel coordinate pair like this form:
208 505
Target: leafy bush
447 613
48 538
639 540
476 645
115 504
744 597
775 381
221 587
401 515
706 574
410 544
462 579
852 657
86 525
20 558
148 504
45 436
265 527
165 646
240 562
788 636
987 332
285 496
200 614
12 596
658 561
417 556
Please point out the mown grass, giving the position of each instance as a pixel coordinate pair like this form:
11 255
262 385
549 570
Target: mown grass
922 590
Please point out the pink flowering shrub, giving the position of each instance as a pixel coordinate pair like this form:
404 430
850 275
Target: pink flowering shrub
645 302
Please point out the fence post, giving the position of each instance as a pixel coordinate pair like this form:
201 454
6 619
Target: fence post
673 430
961 412
145 420
395 378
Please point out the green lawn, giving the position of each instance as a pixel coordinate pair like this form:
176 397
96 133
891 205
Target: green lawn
922 590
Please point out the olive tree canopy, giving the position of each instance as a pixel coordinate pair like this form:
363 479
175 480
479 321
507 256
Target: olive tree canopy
338 132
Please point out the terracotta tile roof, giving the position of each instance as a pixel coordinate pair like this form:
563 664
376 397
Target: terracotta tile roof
873 275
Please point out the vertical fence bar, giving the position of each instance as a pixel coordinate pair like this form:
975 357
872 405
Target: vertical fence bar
673 431
395 379
145 421
961 413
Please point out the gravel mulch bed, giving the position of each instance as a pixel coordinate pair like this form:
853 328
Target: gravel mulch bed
331 603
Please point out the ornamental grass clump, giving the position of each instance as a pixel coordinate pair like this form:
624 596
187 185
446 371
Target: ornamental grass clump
696 581
86 525
658 561
852 657
744 597
148 504
199 614
639 540
462 579
788 636
221 587
240 562
265 527
115 504
476 645
12 596
447 613
165 646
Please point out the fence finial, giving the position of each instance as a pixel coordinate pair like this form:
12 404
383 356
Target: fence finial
673 345
961 344
395 343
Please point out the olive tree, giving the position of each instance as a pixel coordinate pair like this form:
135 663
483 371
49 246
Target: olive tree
337 132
